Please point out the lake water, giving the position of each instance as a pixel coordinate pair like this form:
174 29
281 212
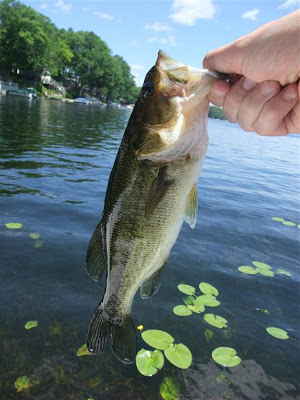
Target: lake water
55 160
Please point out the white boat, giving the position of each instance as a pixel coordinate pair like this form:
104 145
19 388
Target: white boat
29 93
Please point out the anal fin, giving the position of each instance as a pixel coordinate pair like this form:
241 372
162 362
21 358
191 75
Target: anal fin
152 284
191 208
96 254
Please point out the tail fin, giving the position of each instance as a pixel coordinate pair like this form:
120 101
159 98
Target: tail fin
123 333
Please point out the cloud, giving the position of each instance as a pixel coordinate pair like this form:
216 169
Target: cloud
169 39
136 72
290 4
63 7
251 14
43 6
136 67
133 43
103 15
158 27
187 12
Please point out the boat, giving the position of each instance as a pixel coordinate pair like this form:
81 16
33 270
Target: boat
28 92
114 105
82 100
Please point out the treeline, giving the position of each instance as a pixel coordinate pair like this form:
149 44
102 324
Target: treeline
31 44
216 112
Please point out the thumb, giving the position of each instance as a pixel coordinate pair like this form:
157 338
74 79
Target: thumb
228 59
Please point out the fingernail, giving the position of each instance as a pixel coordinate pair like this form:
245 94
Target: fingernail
289 93
218 92
266 89
248 84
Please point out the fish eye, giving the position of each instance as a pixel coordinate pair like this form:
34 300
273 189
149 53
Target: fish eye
147 89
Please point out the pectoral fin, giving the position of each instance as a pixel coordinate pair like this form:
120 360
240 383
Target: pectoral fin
152 285
191 208
96 255
158 190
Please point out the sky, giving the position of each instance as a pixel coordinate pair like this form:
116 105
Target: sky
185 29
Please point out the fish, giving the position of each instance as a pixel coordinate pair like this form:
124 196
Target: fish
151 191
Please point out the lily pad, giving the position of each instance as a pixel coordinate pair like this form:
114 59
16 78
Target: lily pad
186 289
283 272
182 311
188 300
83 351
265 272
30 324
199 308
179 355
278 219
246 269
149 362
169 389
13 225
213 303
204 299
208 335
261 265
39 243
206 288
22 383
226 356
277 333
215 320
289 223
157 339
34 235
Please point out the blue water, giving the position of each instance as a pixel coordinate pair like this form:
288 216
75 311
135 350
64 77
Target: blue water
55 160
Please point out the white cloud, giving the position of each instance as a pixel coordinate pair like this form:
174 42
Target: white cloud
63 7
85 9
43 6
251 14
187 12
158 27
290 4
103 15
133 43
136 72
136 67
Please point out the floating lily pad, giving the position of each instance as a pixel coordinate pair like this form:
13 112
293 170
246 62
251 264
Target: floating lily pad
213 303
30 324
208 335
246 269
149 362
206 288
278 219
261 265
289 223
188 300
186 289
226 356
39 243
265 272
13 225
83 351
179 355
169 389
215 320
34 235
278 333
157 339
204 299
199 308
298 226
283 272
182 311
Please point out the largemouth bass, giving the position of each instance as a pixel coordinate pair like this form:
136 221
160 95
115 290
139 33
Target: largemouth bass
151 191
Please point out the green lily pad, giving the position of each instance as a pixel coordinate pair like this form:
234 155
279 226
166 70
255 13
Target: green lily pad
199 308
204 299
283 272
208 335
289 223
277 333
215 320
30 324
83 351
206 288
278 219
188 300
149 362
178 355
226 356
265 272
34 235
186 289
298 226
182 311
245 269
39 243
22 383
169 389
261 265
157 339
13 225
213 303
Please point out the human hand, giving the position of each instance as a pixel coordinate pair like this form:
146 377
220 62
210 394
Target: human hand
269 54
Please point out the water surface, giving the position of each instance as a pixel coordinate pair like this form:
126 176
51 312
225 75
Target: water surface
55 160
